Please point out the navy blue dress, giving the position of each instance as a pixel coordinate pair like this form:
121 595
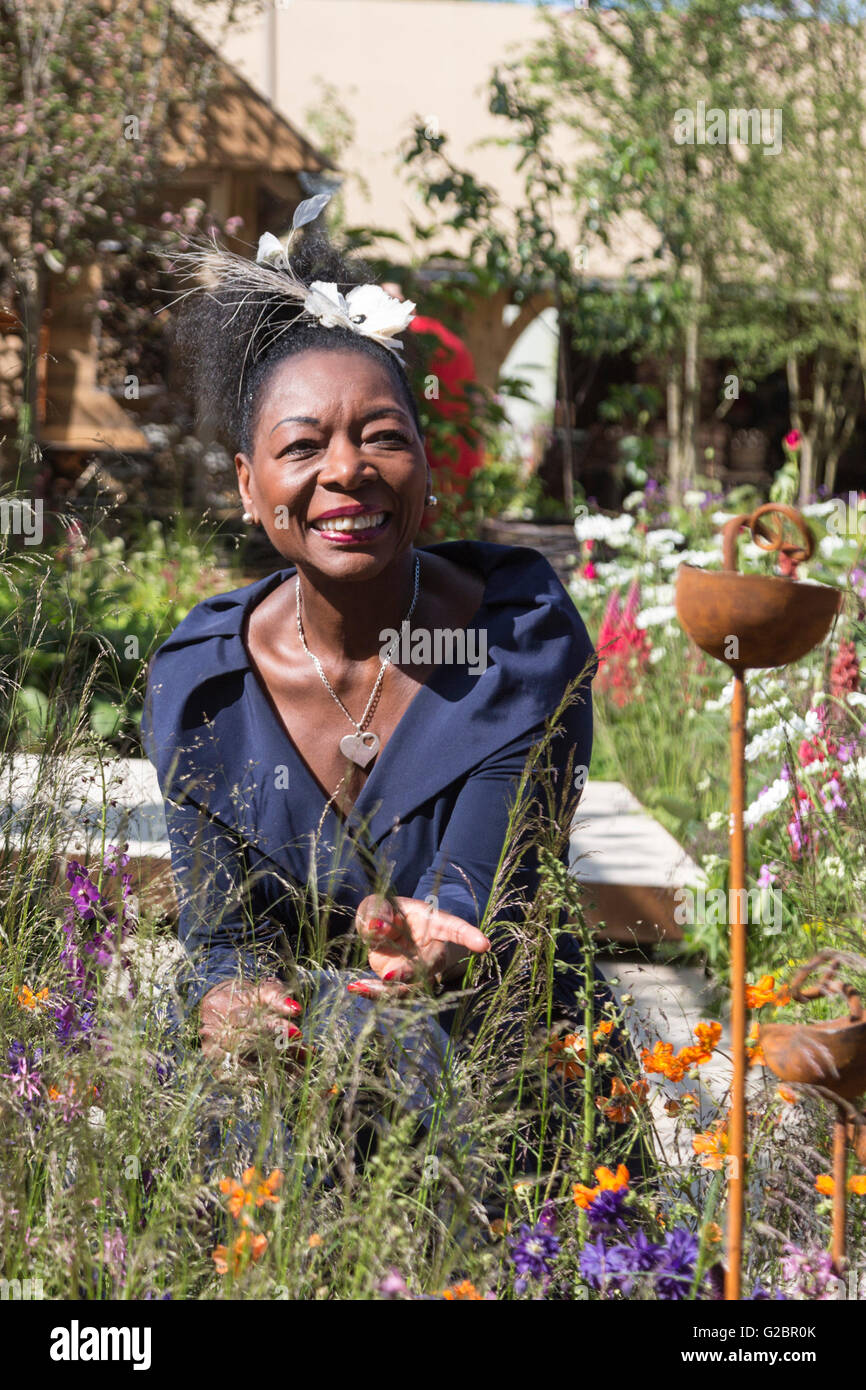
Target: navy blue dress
242 806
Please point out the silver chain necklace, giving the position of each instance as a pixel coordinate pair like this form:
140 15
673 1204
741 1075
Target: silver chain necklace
362 746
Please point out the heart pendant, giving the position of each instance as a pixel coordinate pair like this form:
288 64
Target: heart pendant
360 748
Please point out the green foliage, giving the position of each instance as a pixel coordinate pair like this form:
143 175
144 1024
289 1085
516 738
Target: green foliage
79 626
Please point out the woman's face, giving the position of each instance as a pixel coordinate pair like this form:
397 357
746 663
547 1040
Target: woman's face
334 439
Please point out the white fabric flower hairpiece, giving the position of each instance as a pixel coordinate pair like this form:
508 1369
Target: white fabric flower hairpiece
367 309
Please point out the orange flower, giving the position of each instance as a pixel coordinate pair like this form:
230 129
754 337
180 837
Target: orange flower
26 999
252 1189
314 1241
245 1248
623 1100
663 1061
603 1030
787 1095
566 1054
605 1180
765 992
267 1189
674 1066
827 1186
713 1232
713 1145
708 1035
464 1291
754 1051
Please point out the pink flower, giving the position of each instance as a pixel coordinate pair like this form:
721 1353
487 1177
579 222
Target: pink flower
793 439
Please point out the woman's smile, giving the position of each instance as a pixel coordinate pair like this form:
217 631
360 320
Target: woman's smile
351 525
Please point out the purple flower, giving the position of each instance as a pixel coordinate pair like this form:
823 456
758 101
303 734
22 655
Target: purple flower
676 1268
606 1208
759 1292
26 1082
70 1024
393 1285
84 893
831 795
809 1273
533 1251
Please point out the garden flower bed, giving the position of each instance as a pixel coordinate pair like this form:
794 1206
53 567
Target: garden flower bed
131 1169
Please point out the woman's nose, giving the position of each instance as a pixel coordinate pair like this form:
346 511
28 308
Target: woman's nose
343 461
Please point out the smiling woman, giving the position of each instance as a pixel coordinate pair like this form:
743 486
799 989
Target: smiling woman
301 761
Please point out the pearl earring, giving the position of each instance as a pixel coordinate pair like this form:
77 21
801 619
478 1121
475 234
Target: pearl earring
248 516
432 500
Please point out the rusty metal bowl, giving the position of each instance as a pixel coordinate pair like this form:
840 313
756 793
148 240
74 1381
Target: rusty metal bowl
830 1053
774 620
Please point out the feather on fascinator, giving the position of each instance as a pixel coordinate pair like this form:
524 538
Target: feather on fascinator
271 284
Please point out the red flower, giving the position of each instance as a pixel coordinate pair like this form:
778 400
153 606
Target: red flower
793 439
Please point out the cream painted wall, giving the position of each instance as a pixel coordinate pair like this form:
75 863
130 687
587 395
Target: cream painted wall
393 60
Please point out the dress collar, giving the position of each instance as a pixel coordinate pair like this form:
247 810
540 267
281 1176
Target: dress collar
536 644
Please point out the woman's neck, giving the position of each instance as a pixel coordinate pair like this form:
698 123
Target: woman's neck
344 621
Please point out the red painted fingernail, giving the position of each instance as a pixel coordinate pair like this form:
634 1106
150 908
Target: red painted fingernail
292 1004
379 923
390 975
360 987
293 1031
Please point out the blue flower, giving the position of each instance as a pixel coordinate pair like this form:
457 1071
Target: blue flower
533 1252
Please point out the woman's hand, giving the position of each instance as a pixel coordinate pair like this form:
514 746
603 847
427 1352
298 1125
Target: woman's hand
237 1018
417 942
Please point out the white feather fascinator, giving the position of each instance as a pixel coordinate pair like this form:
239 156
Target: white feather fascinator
270 284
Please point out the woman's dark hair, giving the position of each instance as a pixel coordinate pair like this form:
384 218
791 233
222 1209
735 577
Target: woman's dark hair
227 351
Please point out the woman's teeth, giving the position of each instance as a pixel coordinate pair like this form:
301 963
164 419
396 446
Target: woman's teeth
351 523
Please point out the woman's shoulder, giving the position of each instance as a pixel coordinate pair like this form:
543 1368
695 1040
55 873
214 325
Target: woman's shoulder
518 577
220 615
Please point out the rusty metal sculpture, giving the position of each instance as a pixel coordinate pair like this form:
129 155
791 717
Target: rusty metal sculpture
829 1054
750 621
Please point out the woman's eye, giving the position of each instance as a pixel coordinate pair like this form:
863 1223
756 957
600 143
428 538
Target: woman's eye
393 437
298 446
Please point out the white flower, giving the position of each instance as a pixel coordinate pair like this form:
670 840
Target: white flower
612 529
828 545
717 820
699 558
366 309
378 314
663 538
272 252
833 866
769 801
725 697
651 617
693 497
327 304
633 500
656 655
856 697
819 508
